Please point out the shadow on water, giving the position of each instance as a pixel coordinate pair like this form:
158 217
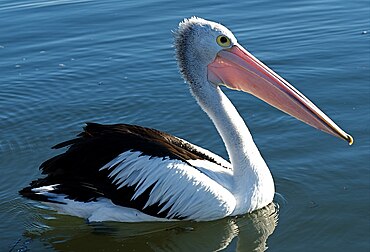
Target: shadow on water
64 233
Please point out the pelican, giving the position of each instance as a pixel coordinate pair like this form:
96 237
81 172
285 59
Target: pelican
130 173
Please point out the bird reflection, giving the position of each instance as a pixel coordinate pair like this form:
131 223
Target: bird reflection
243 233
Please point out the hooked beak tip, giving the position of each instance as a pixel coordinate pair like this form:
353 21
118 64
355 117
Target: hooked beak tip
350 139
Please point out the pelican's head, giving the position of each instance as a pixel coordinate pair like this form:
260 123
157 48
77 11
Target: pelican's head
197 42
208 50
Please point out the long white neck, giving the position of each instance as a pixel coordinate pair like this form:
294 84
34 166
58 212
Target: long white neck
253 184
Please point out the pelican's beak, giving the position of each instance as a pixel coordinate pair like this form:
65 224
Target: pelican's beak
237 69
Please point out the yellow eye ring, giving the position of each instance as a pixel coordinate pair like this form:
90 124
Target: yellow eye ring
223 41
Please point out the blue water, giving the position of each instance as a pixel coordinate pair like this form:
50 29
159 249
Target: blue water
66 62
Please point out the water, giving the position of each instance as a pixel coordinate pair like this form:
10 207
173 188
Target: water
67 62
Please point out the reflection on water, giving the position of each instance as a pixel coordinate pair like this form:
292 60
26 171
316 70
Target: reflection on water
65 233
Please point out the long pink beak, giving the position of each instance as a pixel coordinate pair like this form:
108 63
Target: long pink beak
237 69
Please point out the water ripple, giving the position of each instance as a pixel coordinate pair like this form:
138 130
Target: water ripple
39 4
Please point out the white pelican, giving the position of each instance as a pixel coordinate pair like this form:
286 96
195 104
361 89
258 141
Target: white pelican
130 173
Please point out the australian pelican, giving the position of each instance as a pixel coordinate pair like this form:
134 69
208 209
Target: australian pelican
130 173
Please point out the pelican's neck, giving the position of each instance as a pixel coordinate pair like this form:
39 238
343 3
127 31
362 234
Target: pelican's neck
239 144
253 184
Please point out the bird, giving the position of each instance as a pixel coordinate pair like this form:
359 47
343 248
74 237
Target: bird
130 173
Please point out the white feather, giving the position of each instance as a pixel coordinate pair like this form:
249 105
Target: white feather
176 182
101 210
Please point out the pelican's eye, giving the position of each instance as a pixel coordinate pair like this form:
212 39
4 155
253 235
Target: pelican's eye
223 41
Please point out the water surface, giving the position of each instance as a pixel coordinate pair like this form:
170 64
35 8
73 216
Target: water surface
67 62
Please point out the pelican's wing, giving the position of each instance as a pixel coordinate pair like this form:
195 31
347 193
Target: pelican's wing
138 168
